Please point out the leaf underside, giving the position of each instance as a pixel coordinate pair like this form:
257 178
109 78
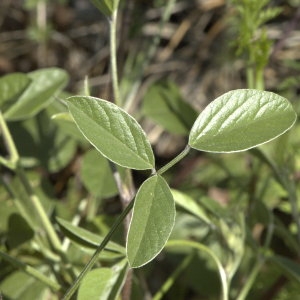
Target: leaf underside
152 221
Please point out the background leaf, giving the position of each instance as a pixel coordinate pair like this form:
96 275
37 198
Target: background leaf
290 267
164 104
40 141
45 84
240 120
86 238
28 288
96 175
19 231
11 87
190 205
112 131
152 221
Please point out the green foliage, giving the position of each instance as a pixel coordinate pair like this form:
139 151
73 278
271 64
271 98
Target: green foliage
164 104
44 84
99 181
59 236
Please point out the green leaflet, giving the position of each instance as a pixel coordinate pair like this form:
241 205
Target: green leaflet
112 131
152 221
240 120
11 87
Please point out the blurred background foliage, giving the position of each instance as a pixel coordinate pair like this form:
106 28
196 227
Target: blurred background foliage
205 48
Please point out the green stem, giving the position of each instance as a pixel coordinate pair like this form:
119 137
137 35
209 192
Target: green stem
113 57
250 280
19 203
15 161
293 199
94 258
11 148
126 188
250 77
175 160
259 80
170 281
31 271
258 264
55 241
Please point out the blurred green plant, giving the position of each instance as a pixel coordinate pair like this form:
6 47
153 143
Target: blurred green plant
252 40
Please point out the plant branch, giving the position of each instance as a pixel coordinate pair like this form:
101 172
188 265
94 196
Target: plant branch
126 188
175 160
15 162
113 57
94 258
250 280
11 148
55 241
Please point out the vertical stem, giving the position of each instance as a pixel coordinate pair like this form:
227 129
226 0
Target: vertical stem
259 80
250 280
250 77
113 57
41 22
294 205
126 187
11 148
